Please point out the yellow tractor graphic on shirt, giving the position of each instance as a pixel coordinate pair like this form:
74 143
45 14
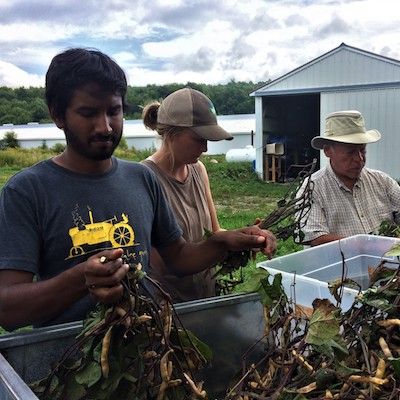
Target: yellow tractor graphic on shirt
120 234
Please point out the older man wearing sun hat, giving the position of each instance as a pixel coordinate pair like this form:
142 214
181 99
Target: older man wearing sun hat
348 198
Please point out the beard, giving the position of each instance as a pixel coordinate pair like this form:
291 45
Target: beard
87 149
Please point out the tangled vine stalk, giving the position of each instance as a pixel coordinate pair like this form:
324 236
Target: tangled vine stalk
137 349
327 354
285 221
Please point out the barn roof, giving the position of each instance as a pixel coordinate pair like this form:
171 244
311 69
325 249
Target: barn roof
343 67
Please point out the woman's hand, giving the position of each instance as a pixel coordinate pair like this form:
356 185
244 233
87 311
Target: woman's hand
248 238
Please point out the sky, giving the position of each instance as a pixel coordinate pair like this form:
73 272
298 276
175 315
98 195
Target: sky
180 41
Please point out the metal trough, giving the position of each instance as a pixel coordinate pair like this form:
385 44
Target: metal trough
230 325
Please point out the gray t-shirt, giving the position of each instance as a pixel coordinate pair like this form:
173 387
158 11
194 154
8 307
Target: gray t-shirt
52 219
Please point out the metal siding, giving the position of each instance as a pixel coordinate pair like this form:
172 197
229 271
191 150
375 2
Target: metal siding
259 138
136 135
238 123
380 110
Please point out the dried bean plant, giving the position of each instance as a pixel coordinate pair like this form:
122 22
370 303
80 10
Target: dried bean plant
327 353
137 349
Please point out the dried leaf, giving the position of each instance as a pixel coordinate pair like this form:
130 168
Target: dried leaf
372 298
394 250
89 374
253 283
73 390
324 329
395 363
271 293
343 370
188 339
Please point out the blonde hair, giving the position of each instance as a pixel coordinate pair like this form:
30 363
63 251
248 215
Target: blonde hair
167 132
149 116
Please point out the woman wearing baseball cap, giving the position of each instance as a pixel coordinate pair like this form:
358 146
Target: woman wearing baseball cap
185 120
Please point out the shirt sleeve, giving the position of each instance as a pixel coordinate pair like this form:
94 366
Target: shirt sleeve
314 223
393 193
19 231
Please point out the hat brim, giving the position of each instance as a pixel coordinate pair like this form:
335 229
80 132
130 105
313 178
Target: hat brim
211 132
370 136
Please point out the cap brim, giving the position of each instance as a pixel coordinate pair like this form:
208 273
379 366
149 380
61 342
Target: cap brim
211 132
370 136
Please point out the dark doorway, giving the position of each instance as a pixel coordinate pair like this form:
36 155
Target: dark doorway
292 120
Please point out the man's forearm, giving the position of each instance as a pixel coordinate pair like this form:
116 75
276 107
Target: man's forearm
185 258
325 239
25 303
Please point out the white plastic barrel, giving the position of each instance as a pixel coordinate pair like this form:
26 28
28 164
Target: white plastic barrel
248 153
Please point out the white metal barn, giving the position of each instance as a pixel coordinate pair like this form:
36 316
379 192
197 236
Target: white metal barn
242 128
292 109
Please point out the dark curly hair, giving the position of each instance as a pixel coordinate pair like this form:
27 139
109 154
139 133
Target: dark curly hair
76 67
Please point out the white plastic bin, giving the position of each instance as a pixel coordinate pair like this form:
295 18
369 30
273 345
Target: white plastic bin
304 290
324 263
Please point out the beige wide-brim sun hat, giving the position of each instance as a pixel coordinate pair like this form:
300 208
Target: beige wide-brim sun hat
345 127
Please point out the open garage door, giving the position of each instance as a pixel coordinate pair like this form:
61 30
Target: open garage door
290 120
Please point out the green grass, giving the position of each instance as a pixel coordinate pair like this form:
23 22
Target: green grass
6 173
239 195
21 158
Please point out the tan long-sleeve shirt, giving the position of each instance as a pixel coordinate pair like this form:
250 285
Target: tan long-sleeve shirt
338 210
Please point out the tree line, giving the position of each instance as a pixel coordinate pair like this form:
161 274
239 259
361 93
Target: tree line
22 105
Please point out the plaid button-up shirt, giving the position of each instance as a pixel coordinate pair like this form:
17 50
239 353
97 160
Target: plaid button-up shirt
338 210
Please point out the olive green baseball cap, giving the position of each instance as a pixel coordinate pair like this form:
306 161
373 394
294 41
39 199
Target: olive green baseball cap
192 109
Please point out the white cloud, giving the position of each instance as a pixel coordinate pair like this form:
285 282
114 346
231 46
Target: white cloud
12 76
24 34
124 58
202 40
216 34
